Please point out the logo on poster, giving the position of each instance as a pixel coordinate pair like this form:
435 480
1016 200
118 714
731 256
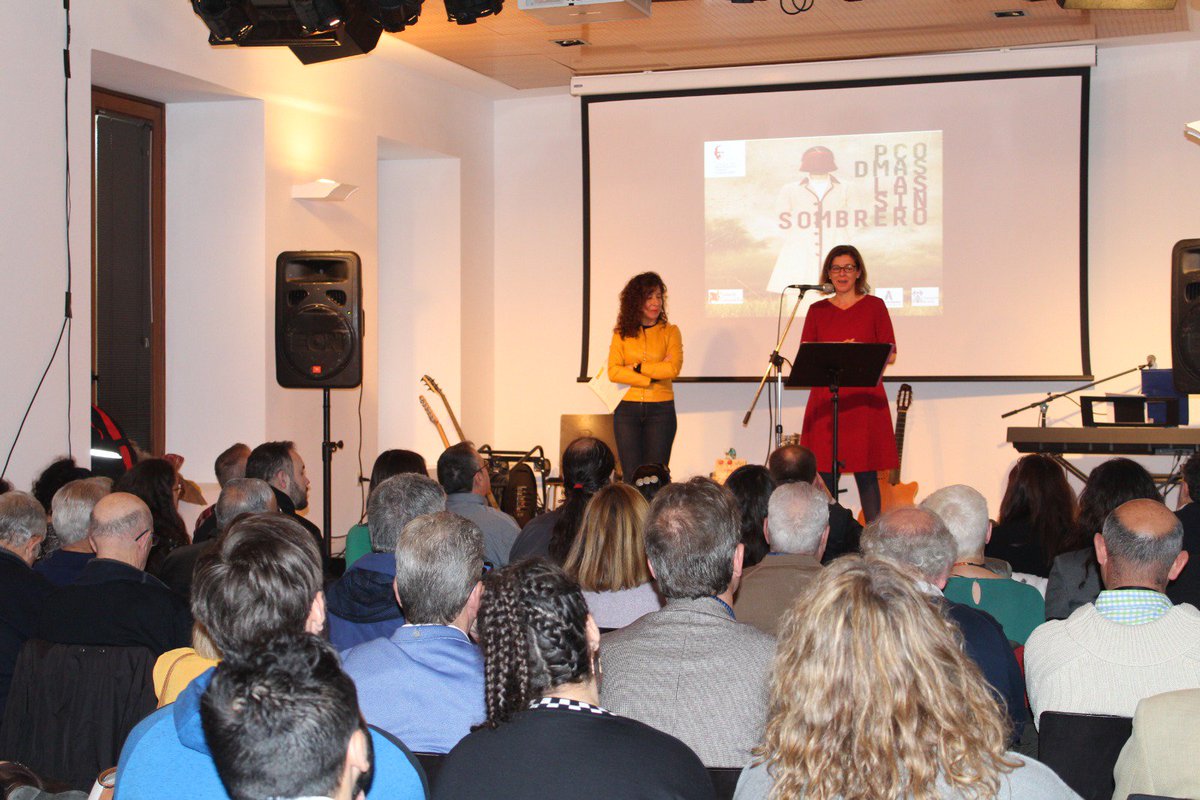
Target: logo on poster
725 159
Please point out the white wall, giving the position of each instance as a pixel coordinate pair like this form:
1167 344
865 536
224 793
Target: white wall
1142 180
293 124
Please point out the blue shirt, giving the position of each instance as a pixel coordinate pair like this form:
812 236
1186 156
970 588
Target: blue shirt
423 685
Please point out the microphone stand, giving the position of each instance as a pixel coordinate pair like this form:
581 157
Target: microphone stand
1044 403
775 366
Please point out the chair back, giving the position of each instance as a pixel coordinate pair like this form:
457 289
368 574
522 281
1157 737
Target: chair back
70 708
1083 749
724 780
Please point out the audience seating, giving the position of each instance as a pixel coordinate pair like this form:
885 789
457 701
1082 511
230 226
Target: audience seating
71 706
1083 749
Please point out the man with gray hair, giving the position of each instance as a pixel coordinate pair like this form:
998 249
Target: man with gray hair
424 683
230 465
71 511
796 528
918 540
691 669
22 591
238 496
1018 607
362 604
1132 642
114 601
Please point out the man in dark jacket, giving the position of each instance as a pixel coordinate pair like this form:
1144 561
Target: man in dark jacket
361 605
281 466
22 591
795 463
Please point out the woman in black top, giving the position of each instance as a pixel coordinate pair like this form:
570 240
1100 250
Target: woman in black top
546 735
1036 515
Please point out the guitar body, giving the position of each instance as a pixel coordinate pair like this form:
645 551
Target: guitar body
892 492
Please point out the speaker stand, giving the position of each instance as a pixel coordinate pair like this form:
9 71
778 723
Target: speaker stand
327 450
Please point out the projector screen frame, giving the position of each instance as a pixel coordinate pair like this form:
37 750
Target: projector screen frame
1082 72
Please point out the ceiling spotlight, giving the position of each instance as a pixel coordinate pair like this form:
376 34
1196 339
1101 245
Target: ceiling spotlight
394 15
227 20
465 12
318 15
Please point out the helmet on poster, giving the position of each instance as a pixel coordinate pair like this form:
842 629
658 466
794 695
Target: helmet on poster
818 160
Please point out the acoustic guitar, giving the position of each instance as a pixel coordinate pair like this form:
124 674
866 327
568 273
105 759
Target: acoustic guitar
892 492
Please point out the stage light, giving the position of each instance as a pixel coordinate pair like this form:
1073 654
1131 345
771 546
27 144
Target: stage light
227 20
465 12
318 15
394 15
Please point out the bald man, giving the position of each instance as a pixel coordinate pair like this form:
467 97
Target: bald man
114 601
1132 642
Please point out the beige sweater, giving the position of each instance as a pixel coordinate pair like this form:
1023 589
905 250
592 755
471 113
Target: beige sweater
1089 665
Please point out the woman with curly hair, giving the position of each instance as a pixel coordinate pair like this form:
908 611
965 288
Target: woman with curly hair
609 558
157 483
546 735
1036 515
646 353
872 698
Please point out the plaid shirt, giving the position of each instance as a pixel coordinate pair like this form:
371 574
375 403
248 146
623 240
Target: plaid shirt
1132 606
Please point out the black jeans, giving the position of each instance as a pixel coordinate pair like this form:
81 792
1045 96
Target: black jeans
644 433
868 491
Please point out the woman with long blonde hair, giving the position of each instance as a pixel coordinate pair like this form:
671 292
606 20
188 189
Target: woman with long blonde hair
872 698
608 557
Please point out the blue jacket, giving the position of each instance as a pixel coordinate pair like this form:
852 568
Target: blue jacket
167 758
360 606
986 644
423 685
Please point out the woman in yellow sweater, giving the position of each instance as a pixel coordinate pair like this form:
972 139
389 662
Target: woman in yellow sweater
646 353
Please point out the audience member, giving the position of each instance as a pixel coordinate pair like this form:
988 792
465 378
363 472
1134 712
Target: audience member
1018 607
176 669
114 601
389 463
872 696
795 463
55 476
1130 643
72 511
711 692
546 735
648 479
1036 514
1186 588
796 527
230 465
752 486
587 466
917 540
362 603
608 558
22 591
1074 574
1160 757
424 683
262 581
280 465
285 723
157 483
464 476
238 496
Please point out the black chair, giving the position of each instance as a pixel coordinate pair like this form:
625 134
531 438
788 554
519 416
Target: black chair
724 780
1083 749
70 708
431 763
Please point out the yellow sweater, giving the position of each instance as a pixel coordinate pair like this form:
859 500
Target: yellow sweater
659 350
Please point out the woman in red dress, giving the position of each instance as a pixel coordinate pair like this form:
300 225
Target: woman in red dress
866 440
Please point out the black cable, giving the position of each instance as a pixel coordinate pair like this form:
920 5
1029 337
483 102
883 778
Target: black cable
362 485
65 328
798 8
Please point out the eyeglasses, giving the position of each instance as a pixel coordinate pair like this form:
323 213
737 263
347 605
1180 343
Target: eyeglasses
153 537
849 269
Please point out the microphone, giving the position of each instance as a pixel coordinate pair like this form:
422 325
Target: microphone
823 288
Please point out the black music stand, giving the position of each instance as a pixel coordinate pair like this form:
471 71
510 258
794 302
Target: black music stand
834 365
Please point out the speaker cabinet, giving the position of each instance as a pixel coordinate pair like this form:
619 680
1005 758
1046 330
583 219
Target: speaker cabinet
1185 315
318 319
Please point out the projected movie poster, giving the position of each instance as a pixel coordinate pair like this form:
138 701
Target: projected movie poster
774 207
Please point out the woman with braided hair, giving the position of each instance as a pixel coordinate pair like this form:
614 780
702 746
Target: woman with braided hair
546 735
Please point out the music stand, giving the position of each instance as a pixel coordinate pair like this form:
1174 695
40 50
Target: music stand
834 365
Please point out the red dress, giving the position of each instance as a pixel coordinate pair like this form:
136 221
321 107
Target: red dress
866 439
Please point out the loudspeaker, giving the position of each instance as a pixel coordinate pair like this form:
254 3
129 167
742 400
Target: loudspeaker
1185 315
318 319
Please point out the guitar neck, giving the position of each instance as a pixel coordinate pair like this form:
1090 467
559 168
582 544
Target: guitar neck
901 418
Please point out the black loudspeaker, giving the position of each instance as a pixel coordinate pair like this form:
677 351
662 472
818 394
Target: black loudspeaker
318 320
1185 315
